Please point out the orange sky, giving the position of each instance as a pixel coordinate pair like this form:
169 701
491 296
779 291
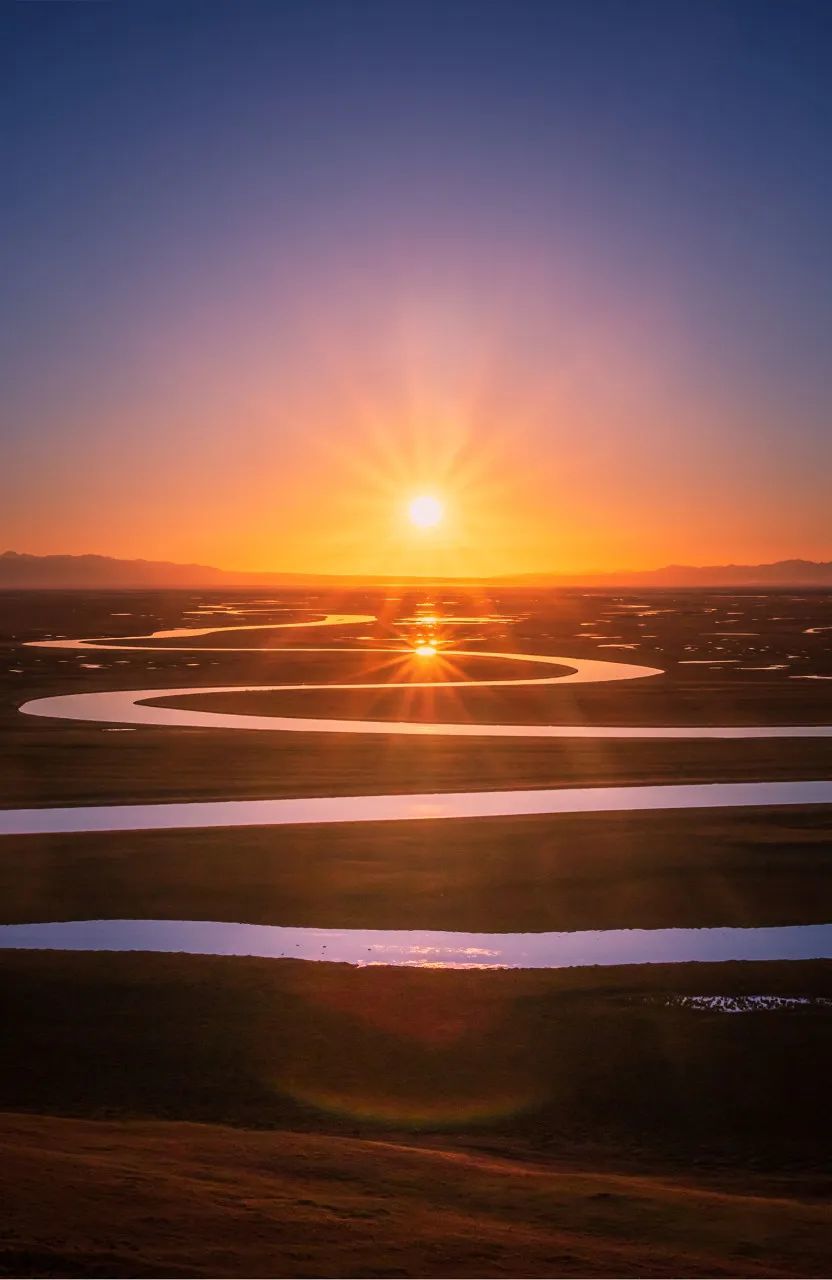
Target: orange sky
271 269
557 442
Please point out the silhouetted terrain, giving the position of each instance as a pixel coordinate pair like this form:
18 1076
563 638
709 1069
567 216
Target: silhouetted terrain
19 570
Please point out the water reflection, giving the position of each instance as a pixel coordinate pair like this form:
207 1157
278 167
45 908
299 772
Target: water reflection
747 1004
404 807
427 948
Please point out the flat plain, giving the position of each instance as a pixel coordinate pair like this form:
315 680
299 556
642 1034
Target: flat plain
230 1116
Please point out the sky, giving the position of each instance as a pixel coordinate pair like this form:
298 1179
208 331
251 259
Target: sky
270 269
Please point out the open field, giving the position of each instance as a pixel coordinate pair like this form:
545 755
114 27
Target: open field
601 1062
174 1199
240 1116
586 871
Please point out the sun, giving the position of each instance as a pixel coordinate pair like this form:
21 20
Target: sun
425 511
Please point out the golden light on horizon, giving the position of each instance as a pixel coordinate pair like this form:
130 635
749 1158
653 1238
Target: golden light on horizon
426 511
426 650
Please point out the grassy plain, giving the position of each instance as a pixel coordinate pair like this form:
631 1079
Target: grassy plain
586 871
172 1115
177 1199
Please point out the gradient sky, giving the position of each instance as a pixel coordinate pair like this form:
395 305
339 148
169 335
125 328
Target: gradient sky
269 269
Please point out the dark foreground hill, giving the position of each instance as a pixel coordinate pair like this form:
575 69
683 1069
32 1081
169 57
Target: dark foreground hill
162 1198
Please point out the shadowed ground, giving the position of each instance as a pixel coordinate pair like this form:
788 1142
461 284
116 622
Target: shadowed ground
587 871
153 1199
591 1058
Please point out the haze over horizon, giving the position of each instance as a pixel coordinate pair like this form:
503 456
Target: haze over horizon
275 273
25 571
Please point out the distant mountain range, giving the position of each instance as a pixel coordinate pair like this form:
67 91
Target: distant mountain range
102 572
783 573
68 572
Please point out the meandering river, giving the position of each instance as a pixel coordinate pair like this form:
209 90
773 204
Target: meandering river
629 946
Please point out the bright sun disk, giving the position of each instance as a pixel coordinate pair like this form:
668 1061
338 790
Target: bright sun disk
425 511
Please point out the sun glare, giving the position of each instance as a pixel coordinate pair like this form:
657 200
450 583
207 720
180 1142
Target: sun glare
426 650
425 511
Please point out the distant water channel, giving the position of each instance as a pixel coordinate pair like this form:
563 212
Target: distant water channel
426 948
404 807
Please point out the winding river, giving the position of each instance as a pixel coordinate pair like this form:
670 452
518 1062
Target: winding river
636 946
